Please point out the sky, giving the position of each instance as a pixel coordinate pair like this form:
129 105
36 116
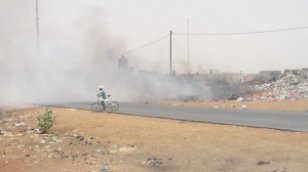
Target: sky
137 22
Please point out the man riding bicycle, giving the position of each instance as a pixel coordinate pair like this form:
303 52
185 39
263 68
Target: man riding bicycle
102 96
103 102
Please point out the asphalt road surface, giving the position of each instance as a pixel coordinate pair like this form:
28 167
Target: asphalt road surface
293 121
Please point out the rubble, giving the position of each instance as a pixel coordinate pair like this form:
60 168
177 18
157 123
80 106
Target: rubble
20 124
152 161
113 149
99 150
105 169
292 85
1 129
263 162
127 149
240 99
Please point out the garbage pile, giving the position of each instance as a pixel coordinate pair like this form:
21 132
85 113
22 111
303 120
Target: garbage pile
292 85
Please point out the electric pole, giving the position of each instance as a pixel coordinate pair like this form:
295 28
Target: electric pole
171 72
37 26
188 48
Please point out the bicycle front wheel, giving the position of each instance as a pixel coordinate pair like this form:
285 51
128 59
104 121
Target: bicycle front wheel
114 106
96 107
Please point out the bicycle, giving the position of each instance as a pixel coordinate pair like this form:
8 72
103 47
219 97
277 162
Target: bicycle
109 106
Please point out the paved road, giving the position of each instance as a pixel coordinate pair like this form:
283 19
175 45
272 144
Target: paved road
294 121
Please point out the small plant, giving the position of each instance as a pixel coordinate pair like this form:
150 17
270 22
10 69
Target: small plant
45 121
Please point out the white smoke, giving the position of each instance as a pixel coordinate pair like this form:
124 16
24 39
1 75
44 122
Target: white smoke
77 53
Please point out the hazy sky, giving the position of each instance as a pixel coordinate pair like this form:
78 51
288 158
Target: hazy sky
136 22
142 20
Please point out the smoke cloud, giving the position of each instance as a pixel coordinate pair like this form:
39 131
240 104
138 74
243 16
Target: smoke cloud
76 54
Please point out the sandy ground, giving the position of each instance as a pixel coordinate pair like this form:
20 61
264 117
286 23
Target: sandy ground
84 141
284 105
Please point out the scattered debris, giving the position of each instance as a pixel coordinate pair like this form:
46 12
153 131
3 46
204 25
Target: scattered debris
79 137
244 106
2 131
240 99
37 131
263 162
113 149
99 150
152 161
233 97
56 140
105 169
20 124
127 149
292 85
31 143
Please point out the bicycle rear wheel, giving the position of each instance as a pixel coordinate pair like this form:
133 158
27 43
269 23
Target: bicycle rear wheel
96 107
114 106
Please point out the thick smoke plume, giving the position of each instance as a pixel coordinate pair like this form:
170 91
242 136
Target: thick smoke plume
76 54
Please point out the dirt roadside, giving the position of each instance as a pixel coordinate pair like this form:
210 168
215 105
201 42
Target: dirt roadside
86 141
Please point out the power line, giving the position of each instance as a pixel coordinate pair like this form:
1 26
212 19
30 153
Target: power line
245 33
146 45
216 34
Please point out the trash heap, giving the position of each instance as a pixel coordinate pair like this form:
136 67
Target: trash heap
292 85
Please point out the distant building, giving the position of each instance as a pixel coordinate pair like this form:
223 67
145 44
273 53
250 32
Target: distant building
123 63
250 77
214 71
230 78
234 78
271 74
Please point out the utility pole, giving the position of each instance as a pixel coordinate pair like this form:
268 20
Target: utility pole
171 70
37 26
188 48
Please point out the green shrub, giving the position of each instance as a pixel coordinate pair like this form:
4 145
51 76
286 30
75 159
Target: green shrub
45 121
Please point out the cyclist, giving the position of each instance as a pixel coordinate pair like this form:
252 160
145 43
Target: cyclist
102 96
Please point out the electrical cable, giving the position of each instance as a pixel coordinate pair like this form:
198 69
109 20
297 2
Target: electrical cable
216 34
244 33
146 45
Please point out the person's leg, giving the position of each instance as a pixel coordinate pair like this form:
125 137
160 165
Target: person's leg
103 104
